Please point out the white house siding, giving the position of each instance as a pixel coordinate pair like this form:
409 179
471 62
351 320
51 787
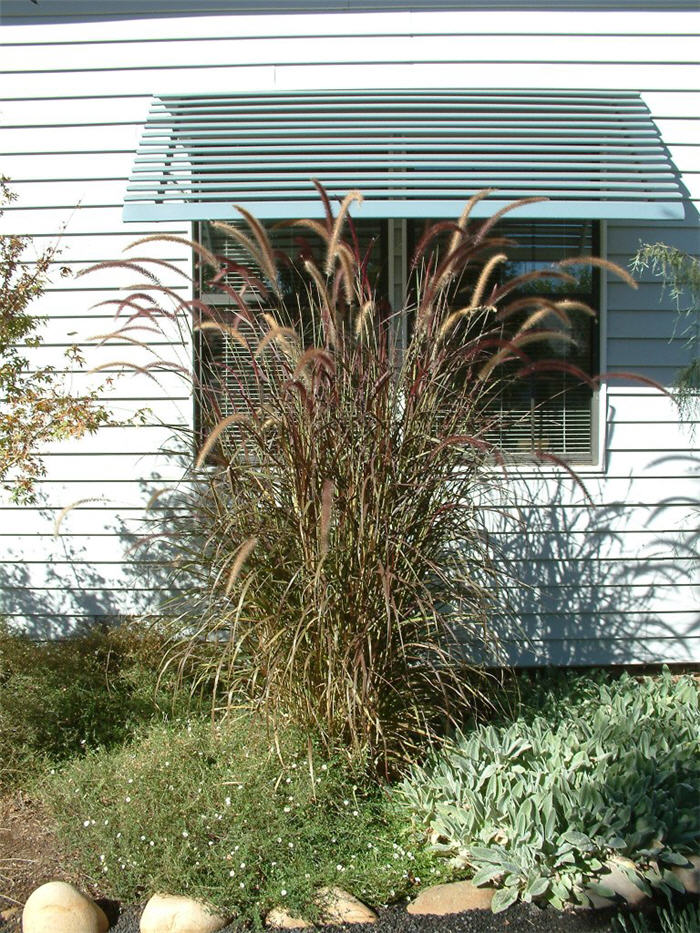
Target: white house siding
617 582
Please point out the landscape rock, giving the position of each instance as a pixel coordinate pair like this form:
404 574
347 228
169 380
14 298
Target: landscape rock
58 907
618 881
170 913
281 919
689 876
452 898
598 901
340 907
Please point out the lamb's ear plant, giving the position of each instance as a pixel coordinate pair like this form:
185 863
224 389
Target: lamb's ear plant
538 805
336 538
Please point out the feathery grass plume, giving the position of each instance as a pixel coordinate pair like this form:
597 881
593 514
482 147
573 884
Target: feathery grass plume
366 472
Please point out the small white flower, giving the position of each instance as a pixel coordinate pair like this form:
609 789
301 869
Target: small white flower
86 822
185 833
127 799
287 809
228 801
283 892
232 874
241 884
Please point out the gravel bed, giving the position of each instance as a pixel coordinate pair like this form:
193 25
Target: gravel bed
520 917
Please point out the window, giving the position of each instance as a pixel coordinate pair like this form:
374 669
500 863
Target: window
551 411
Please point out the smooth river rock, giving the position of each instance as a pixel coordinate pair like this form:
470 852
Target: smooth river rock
58 907
281 919
689 875
338 906
170 913
452 898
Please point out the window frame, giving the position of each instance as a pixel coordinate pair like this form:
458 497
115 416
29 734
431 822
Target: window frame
396 284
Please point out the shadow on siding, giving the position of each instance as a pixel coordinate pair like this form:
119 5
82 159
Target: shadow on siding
589 594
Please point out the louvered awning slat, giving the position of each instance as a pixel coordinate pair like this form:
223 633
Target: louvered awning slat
411 153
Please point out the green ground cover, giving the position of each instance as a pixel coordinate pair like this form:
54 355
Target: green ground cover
152 795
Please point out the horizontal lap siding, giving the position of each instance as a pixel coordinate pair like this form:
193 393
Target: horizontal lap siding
617 582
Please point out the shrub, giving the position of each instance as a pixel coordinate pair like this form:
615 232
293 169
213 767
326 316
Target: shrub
36 406
538 805
215 814
337 536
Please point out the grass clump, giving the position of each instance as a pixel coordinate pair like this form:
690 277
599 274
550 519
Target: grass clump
670 919
218 815
60 698
538 805
337 545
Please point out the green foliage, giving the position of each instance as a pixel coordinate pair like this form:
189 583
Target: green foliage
35 404
337 540
60 698
536 806
232 817
680 273
671 919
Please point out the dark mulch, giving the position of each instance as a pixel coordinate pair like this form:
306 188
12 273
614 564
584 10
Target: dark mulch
525 917
521 917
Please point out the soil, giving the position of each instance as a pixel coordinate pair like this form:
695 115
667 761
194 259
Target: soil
31 854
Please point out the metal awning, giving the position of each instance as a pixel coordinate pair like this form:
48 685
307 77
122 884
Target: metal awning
412 153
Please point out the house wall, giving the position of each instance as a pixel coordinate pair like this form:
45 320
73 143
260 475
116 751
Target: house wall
615 582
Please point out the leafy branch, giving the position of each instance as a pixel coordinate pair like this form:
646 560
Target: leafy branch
36 406
680 273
